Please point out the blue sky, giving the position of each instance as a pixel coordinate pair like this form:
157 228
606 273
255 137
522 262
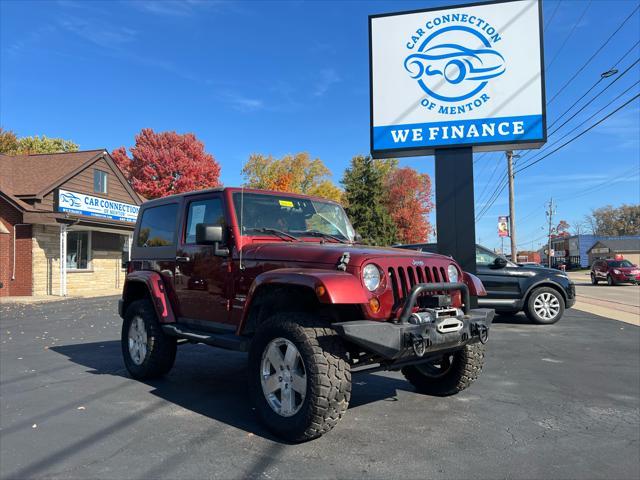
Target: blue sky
282 77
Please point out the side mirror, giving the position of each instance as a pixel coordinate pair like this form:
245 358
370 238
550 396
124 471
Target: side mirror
207 234
499 263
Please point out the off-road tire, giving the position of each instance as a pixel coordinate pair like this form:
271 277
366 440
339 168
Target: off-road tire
327 371
594 279
466 366
161 348
531 313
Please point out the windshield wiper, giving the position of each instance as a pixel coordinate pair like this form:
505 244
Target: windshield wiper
317 233
280 233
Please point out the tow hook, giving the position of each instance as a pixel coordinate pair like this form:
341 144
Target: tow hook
483 332
419 344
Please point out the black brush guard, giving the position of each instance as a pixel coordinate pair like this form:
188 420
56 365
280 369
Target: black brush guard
401 342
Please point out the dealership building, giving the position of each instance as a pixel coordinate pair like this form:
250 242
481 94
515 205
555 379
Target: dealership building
66 223
575 250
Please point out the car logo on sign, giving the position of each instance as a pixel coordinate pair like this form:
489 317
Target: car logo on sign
418 263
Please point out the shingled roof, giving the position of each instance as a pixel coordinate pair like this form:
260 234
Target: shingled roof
619 245
35 175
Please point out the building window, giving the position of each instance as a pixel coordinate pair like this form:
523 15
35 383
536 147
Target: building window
99 181
78 250
158 226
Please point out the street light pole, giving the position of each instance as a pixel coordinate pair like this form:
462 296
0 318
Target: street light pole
512 206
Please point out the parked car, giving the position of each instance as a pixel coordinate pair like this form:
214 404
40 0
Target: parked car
281 276
542 293
614 272
529 264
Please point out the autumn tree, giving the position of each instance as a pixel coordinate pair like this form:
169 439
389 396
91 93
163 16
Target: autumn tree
562 229
364 193
8 141
409 203
292 173
610 221
12 145
166 163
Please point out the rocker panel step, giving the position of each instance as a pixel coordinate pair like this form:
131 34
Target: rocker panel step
227 341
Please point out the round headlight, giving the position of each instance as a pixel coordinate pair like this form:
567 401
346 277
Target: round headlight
452 271
371 277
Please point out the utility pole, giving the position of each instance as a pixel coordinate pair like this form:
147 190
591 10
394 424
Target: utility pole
550 214
512 205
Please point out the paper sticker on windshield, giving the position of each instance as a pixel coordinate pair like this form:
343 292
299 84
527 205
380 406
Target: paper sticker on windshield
286 203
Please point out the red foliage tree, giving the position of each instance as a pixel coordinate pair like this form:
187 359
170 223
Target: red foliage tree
166 163
409 203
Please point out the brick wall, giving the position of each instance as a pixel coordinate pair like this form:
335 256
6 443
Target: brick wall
21 284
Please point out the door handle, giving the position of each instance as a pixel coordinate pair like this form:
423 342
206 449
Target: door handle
183 259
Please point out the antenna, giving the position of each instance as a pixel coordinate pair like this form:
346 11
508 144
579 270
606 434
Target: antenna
241 224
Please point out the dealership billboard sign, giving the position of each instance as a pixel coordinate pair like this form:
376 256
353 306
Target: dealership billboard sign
91 206
463 76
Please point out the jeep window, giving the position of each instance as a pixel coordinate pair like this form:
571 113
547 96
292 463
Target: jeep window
207 211
295 216
158 226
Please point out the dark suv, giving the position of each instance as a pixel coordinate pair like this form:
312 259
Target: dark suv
614 272
280 276
542 293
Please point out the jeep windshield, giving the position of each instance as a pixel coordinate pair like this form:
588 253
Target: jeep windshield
285 216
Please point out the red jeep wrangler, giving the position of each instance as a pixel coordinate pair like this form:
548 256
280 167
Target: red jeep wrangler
282 277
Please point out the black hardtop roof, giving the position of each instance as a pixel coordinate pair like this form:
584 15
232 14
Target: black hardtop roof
176 197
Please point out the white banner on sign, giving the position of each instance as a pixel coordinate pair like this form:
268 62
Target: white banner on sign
457 76
91 206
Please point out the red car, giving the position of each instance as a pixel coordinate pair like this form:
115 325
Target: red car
614 272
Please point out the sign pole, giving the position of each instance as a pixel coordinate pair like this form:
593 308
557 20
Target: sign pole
455 213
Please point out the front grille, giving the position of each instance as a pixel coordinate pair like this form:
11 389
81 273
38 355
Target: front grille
404 278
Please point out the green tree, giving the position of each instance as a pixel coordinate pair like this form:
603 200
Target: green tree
8 141
624 220
44 144
292 173
364 183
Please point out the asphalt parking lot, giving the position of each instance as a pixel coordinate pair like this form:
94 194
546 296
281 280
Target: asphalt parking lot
560 401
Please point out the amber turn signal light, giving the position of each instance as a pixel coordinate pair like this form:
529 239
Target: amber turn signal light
320 290
374 304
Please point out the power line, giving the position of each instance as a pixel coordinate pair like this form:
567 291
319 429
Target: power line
596 84
581 133
553 14
595 97
575 25
593 55
580 124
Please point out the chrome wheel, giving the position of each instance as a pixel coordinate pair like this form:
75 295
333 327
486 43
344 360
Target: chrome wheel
137 341
546 306
436 368
283 377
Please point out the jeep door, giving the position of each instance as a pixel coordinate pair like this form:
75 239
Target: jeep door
202 280
503 284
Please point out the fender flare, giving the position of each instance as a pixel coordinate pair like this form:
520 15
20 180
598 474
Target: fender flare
157 293
330 287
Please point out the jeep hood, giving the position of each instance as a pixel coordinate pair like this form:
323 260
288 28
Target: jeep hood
327 253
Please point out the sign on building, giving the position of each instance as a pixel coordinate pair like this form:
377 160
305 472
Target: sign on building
90 206
467 75
503 226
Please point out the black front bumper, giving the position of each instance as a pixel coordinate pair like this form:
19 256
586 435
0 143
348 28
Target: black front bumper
402 340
